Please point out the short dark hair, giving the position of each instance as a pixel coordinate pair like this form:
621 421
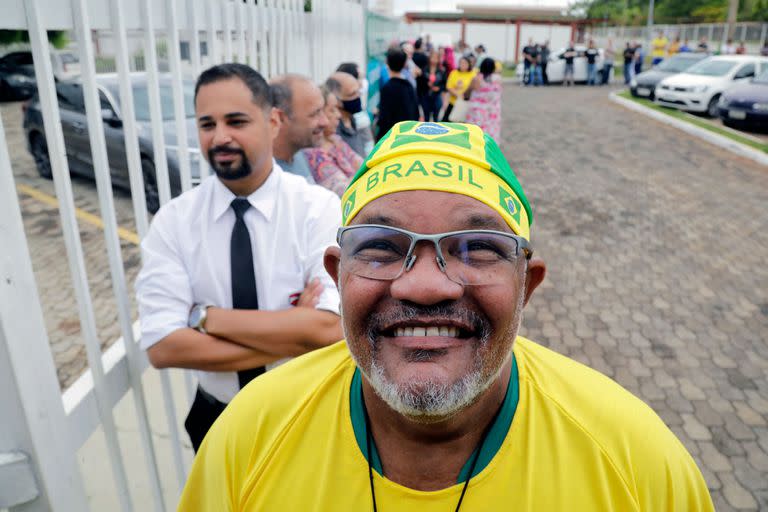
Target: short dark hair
487 67
350 68
262 95
396 59
417 44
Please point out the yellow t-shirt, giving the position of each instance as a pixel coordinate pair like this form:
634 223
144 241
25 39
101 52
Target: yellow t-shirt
659 46
453 79
577 441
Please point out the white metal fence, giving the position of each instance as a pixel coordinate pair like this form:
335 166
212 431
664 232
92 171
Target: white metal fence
754 34
41 431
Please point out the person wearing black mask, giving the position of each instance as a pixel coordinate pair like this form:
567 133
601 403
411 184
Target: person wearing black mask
354 127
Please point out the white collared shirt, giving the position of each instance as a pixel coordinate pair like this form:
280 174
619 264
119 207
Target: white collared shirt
186 256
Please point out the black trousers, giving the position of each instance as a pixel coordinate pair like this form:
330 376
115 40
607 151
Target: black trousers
205 409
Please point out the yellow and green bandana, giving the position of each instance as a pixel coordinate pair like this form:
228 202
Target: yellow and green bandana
446 157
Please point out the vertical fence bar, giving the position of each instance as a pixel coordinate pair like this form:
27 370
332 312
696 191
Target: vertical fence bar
29 390
242 55
195 27
227 28
213 37
153 93
262 19
253 33
271 37
112 241
161 169
130 132
54 135
177 90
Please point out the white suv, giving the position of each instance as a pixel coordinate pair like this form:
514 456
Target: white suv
698 89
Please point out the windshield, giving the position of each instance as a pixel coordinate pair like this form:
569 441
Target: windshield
712 67
762 78
677 64
141 101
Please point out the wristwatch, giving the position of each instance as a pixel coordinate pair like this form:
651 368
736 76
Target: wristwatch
197 317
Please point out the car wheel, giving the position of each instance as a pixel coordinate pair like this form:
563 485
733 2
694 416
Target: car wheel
712 107
150 185
40 153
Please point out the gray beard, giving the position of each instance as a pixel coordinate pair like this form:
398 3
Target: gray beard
430 402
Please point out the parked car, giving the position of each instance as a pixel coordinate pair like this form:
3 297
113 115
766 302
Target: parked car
644 84
78 147
699 88
746 105
556 65
17 72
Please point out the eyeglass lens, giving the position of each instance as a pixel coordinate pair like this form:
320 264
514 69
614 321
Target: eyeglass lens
471 257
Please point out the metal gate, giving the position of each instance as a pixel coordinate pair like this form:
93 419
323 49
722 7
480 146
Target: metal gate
42 429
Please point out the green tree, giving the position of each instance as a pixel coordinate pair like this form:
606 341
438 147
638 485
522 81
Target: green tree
57 38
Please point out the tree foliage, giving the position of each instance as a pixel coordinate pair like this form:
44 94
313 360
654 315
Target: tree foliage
57 38
635 12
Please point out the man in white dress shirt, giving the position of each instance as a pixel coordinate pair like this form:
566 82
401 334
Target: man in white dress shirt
232 279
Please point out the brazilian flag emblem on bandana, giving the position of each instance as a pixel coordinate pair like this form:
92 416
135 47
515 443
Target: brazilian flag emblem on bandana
412 132
349 205
510 203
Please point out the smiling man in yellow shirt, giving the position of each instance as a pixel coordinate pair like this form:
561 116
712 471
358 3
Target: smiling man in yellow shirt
434 402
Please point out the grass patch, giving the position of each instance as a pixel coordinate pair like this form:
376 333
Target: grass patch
508 72
683 116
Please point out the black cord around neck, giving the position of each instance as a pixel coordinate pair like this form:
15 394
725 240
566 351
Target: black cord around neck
369 443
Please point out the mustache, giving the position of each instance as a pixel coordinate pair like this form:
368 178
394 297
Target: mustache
403 312
224 150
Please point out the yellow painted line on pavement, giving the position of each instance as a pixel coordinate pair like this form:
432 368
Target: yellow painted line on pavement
125 234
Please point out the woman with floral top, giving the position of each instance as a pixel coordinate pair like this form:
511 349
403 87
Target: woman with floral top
334 162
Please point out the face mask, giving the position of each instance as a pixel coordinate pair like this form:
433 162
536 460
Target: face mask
352 106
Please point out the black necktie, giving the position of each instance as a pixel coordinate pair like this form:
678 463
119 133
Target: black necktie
244 294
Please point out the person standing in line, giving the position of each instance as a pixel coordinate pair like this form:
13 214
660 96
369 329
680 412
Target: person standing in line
355 124
674 47
639 57
569 56
591 54
543 61
609 55
432 101
685 47
333 162
457 83
480 54
398 99
485 100
702 47
299 104
232 280
530 57
728 48
741 49
629 56
658 48
421 60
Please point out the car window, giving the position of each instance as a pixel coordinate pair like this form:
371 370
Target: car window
677 64
20 59
68 58
70 97
141 101
710 67
746 71
762 78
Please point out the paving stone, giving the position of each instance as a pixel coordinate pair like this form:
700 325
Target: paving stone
695 429
736 495
714 460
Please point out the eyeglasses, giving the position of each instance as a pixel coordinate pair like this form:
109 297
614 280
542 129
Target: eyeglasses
472 257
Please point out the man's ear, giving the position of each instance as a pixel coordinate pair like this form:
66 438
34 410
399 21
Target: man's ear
534 276
275 121
331 260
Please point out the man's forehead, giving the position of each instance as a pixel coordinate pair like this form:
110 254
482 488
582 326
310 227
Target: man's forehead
431 211
223 97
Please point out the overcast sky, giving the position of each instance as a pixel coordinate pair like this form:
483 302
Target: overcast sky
443 5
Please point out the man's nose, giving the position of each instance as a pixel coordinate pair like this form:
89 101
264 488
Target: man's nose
221 136
425 283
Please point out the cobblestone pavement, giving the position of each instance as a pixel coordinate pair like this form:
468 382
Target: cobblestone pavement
46 244
656 246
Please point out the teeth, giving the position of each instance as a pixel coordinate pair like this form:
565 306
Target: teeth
442 330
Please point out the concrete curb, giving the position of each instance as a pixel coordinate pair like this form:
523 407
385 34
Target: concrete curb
711 137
